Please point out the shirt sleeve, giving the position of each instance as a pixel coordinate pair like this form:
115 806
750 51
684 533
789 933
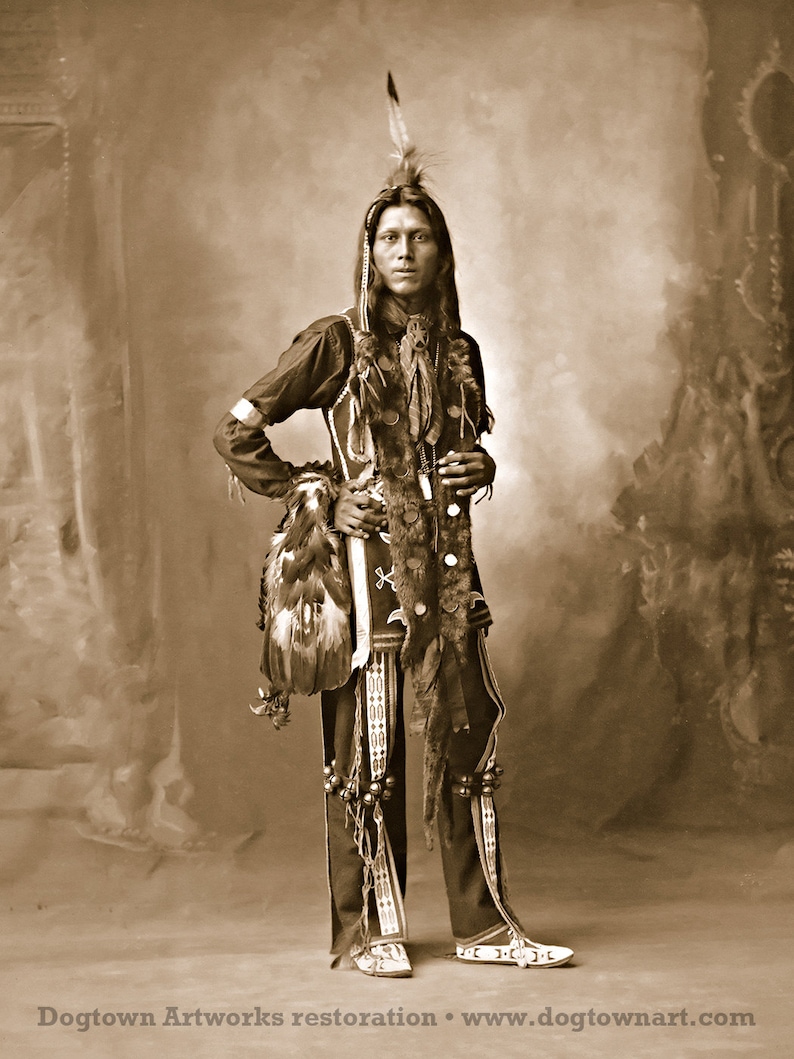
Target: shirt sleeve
475 359
310 374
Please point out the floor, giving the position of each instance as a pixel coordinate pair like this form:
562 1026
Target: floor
663 922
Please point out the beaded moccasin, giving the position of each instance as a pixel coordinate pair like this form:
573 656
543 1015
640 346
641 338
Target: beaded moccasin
382 960
519 952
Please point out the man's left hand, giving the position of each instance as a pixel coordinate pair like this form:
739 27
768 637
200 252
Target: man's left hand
466 472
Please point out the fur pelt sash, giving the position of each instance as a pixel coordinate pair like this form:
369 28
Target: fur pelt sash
430 539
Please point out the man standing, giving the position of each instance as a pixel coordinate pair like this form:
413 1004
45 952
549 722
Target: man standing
402 391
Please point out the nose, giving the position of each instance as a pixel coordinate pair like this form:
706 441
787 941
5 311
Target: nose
404 249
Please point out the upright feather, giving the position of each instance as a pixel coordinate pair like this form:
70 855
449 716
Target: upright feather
399 133
409 168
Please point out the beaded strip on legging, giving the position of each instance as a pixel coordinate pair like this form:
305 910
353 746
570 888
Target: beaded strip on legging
483 812
376 720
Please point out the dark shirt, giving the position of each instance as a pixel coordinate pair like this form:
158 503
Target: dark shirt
310 374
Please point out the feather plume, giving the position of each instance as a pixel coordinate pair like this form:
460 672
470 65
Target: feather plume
399 133
409 168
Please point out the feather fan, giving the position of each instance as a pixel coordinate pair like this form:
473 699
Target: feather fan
305 600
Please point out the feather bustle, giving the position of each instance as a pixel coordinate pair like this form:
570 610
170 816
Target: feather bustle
306 600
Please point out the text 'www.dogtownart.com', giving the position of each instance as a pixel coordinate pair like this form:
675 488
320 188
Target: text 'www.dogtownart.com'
575 1021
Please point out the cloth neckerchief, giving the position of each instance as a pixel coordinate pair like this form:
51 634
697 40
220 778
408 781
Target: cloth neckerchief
425 418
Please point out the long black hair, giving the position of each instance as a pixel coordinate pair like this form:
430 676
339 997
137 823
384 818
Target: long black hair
444 296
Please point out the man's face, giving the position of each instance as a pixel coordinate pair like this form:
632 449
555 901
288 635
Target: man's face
405 253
